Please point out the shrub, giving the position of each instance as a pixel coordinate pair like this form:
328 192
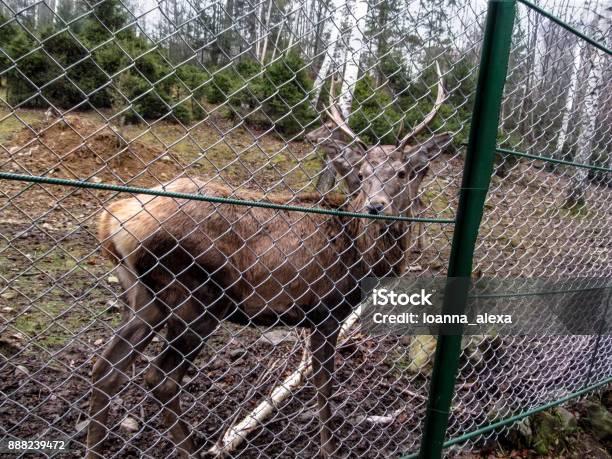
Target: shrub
153 105
68 74
109 16
194 79
249 90
76 80
149 105
221 87
394 69
373 116
66 77
149 67
9 33
31 72
182 113
69 79
197 111
414 95
286 89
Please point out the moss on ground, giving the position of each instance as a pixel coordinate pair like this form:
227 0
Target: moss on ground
49 297
13 122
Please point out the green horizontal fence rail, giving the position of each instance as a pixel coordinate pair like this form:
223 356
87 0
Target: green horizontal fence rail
512 419
566 26
551 292
213 199
551 160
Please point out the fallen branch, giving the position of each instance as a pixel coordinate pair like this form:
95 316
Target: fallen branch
230 432
237 433
382 420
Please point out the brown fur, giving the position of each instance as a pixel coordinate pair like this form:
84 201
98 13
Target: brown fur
279 242
186 265
326 178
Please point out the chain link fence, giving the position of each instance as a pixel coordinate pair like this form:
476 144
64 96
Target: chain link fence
544 218
185 181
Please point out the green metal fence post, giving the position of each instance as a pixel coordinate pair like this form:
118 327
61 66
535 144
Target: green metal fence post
475 184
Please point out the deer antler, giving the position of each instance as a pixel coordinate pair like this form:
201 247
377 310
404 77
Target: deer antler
430 116
336 117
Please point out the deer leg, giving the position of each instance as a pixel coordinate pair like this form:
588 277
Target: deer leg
167 371
419 236
323 346
108 372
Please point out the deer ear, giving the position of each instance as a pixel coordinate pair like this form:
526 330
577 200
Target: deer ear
346 161
419 156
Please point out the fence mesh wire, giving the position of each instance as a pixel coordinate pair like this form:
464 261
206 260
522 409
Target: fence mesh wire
222 99
544 219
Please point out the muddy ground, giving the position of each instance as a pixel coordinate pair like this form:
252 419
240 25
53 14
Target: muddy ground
58 301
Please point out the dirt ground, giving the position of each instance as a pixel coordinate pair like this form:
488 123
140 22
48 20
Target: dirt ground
58 304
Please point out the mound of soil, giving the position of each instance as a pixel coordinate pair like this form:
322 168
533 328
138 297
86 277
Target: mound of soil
77 148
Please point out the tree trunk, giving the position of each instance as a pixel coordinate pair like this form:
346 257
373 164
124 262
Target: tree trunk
276 41
266 31
292 17
569 102
331 28
355 48
527 98
382 44
588 122
227 35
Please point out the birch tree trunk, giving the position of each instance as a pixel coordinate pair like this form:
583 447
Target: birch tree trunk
292 18
355 48
526 127
258 30
569 101
278 36
331 28
266 32
228 32
588 122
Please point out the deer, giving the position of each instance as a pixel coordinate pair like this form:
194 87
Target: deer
185 266
326 179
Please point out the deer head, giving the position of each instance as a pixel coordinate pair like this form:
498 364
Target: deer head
383 179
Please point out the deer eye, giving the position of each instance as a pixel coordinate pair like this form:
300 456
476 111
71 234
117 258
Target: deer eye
401 174
360 176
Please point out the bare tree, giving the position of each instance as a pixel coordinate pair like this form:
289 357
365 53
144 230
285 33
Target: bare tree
569 100
265 33
332 30
589 114
353 55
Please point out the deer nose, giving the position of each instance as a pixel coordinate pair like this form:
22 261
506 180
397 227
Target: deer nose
375 208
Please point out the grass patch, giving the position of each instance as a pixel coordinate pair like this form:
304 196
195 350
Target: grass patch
13 122
46 322
54 297
52 323
399 362
579 210
576 211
